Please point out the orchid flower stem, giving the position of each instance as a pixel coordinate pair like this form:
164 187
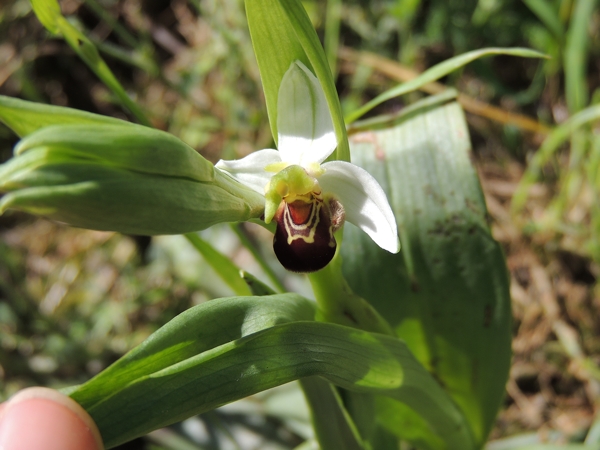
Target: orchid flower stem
337 303
246 242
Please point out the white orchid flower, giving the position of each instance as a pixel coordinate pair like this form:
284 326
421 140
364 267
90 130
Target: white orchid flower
308 198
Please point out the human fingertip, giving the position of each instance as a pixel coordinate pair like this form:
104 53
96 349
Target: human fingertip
38 418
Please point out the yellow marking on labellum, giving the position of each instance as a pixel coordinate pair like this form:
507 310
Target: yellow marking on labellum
304 239
301 218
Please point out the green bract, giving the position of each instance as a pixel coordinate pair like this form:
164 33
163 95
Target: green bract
282 33
112 175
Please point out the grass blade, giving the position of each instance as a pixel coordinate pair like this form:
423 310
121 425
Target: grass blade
438 71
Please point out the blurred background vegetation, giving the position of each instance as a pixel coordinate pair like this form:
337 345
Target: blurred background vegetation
72 301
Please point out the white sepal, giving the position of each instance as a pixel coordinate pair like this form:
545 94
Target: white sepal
305 129
251 169
364 201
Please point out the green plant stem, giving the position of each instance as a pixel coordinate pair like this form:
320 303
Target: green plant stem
332 33
576 51
336 303
119 29
246 242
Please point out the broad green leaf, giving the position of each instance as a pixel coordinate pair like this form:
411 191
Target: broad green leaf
194 331
221 264
25 117
446 294
281 34
48 12
438 71
136 395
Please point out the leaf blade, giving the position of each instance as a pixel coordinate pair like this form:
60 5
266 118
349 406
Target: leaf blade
438 71
446 294
352 359
25 117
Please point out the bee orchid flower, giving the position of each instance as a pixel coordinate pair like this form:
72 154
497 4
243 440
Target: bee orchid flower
309 198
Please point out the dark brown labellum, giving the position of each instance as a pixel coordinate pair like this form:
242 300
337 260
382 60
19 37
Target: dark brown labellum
304 240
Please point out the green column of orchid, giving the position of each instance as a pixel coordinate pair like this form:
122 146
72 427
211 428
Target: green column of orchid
302 192
310 199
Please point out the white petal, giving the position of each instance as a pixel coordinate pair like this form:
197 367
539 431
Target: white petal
363 199
251 169
305 128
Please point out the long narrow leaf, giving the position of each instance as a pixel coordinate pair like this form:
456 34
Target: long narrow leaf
221 264
575 63
332 424
558 136
438 71
548 15
48 12
352 359
194 331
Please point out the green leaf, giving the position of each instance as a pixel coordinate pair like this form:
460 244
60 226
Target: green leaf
25 117
333 426
447 292
136 148
438 71
194 331
576 55
554 140
97 197
48 13
548 15
187 367
221 264
130 179
281 34
256 286
399 419
333 19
